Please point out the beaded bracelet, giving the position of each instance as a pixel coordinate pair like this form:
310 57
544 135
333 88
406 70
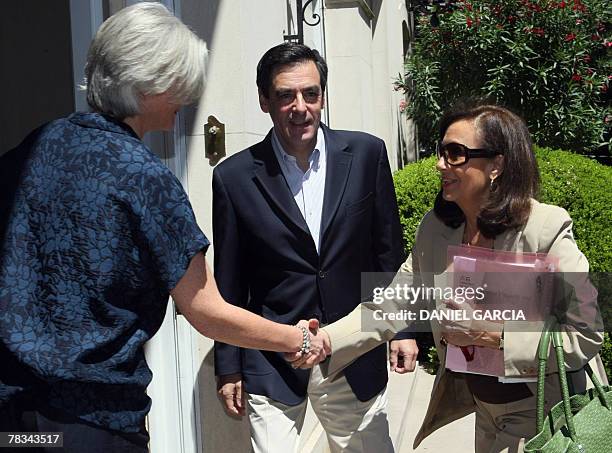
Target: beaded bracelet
305 340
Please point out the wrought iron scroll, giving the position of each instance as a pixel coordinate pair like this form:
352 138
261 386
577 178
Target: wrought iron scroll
301 20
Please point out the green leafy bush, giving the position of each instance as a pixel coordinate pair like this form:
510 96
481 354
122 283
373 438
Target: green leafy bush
606 354
580 185
547 60
416 187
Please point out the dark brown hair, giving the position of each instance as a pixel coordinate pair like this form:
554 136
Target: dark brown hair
509 205
287 54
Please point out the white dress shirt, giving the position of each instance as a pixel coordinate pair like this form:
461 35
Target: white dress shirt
308 188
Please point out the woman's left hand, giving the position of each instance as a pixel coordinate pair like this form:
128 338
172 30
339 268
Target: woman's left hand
473 338
470 332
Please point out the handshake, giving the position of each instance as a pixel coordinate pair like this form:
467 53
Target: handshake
230 390
320 347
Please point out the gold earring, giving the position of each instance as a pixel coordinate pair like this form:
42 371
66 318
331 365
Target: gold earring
493 185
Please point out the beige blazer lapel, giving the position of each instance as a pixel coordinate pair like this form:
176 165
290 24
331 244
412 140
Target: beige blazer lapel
509 240
449 236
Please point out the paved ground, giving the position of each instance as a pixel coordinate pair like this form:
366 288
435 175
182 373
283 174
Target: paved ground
405 417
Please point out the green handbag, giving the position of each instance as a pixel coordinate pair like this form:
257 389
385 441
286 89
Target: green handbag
581 423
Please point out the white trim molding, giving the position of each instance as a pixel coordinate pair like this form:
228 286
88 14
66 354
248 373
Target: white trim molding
363 4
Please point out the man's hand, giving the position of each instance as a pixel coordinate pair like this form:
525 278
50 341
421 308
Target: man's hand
320 347
231 394
403 355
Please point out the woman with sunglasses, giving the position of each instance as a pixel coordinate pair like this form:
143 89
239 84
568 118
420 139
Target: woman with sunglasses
489 179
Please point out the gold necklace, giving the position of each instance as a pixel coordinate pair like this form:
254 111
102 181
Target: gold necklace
465 240
476 238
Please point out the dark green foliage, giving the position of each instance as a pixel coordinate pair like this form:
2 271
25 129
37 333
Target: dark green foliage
549 61
416 187
580 185
583 188
606 354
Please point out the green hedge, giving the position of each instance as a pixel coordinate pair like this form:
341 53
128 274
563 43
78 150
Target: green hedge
580 185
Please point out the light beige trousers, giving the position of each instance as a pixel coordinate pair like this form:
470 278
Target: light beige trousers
504 428
352 426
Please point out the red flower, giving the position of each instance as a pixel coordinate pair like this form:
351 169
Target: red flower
469 22
595 37
538 31
608 44
578 6
562 4
576 77
604 88
511 19
569 37
587 58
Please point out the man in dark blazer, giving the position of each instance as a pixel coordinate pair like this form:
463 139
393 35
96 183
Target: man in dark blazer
297 218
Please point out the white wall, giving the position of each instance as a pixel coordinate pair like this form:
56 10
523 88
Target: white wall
365 55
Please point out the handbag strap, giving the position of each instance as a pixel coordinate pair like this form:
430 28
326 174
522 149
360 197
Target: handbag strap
598 387
542 360
557 340
549 331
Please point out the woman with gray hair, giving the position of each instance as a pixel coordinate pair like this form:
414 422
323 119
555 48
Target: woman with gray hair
95 234
142 61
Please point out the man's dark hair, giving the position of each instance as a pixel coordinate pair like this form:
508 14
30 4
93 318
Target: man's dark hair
287 54
498 129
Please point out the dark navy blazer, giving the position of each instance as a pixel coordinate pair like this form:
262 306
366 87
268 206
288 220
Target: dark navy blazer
266 259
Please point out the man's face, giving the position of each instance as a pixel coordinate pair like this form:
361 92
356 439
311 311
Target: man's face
295 104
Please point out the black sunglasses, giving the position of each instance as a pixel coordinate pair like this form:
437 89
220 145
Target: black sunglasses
456 154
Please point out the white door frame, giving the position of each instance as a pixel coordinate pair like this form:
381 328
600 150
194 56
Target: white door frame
174 421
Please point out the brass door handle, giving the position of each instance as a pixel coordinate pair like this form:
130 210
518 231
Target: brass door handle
214 140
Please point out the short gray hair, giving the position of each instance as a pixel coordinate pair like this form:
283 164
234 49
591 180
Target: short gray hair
143 50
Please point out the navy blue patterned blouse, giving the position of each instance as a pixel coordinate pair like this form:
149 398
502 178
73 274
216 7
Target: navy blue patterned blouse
94 233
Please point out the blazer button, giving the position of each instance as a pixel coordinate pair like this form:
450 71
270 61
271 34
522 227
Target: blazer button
321 274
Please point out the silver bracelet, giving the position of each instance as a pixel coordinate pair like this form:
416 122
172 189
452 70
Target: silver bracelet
305 340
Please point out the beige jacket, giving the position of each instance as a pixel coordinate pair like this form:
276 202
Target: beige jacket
548 230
